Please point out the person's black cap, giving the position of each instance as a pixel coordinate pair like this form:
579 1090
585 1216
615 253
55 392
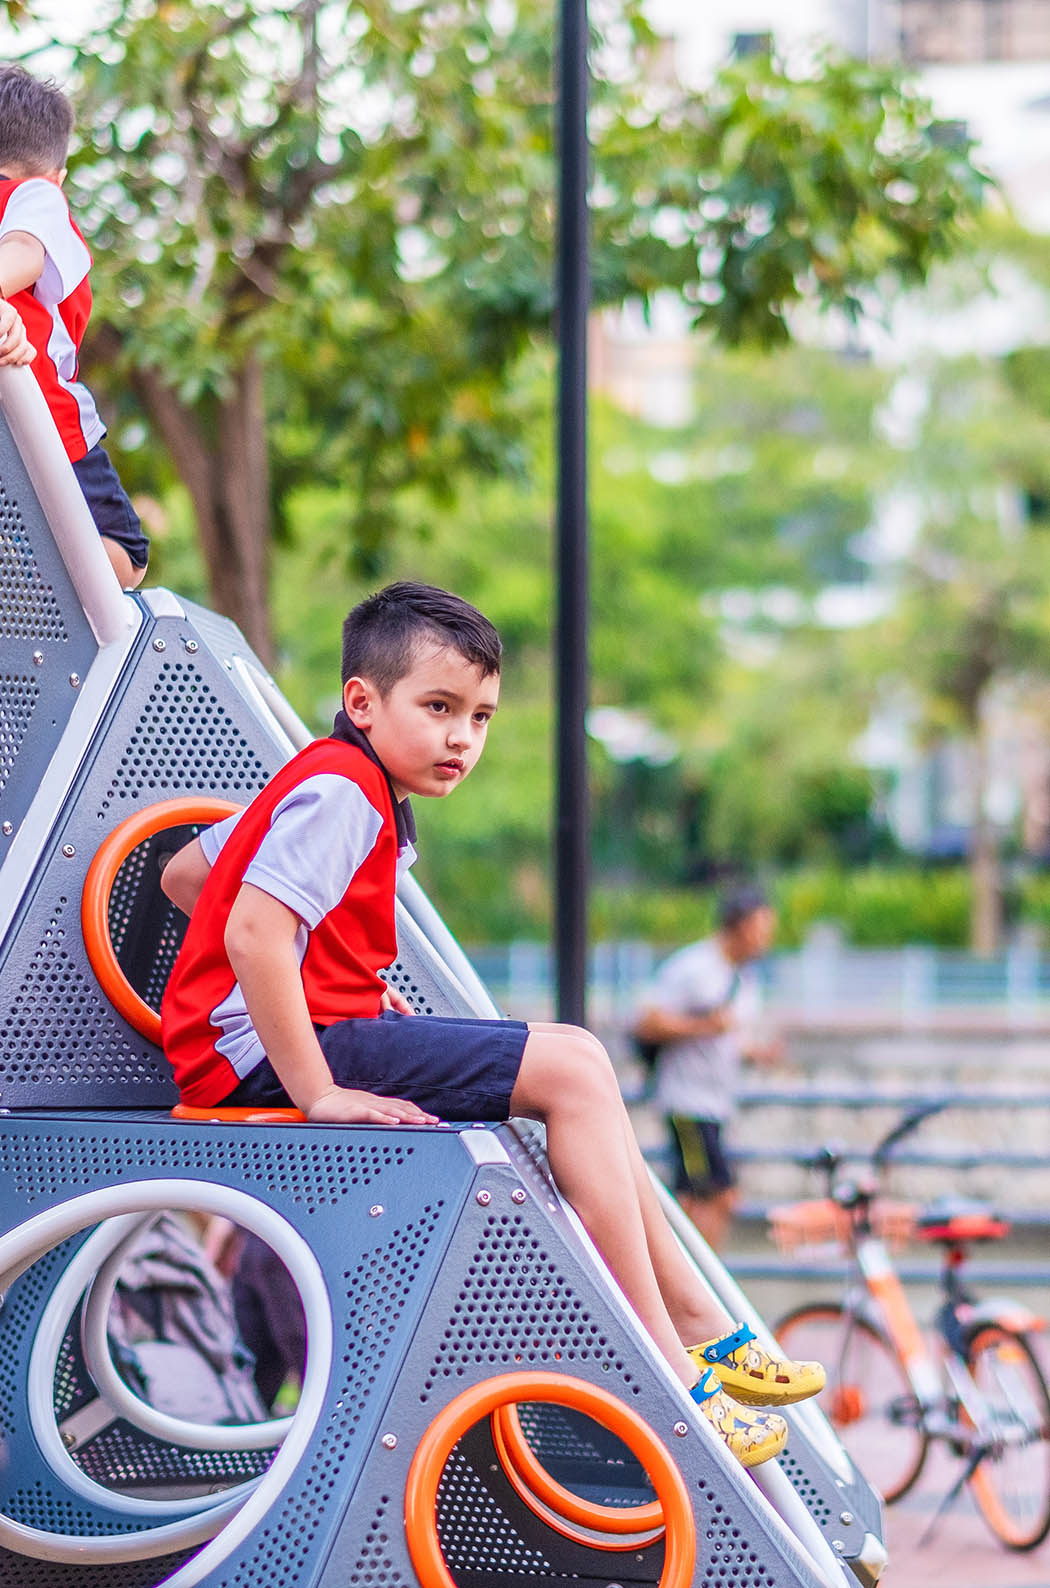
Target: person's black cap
736 905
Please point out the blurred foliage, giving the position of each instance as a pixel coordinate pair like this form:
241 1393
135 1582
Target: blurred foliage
877 907
324 235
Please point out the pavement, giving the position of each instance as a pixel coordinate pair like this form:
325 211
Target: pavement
962 1553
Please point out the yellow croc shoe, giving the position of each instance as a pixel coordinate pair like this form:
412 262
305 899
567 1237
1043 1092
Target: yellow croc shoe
749 1375
752 1437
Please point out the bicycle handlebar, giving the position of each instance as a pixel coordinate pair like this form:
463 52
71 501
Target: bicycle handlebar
828 1158
905 1127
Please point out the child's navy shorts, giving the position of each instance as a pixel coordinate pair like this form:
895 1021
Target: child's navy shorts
110 508
456 1069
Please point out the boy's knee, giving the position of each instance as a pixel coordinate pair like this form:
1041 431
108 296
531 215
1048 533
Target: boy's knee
568 1069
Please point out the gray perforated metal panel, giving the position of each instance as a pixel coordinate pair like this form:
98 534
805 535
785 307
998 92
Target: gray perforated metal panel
45 639
175 727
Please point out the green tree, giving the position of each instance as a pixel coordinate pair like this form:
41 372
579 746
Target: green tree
324 232
761 496
971 617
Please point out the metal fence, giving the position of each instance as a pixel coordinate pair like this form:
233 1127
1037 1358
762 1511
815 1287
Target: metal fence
823 979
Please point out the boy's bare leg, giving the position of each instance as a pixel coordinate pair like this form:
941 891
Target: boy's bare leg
694 1312
566 1081
122 565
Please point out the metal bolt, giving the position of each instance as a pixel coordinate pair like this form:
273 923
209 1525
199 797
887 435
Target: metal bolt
159 644
389 1441
192 647
74 680
846 1518
38 658
7 829
69 1439
375 1210
838 1546
681 1429
69 851
517 1196
484 1198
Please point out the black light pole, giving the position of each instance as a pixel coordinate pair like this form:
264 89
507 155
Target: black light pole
573 301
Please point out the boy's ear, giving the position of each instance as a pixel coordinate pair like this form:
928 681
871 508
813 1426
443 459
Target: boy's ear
357 702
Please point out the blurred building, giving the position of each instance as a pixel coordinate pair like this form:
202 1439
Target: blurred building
985 64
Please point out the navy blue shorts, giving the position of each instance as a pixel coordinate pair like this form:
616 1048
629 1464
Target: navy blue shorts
456 1069
113 514
698 1156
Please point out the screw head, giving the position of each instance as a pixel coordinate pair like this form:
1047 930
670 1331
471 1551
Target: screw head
483 1198
192 647
38 658
838 1546
68 1439
375 1210
518 1196
159 644
69 851
389 1441
681 1429
7 829
74 680
846 1518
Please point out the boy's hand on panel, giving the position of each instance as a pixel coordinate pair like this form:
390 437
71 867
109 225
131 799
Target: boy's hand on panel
342 1105
15 346
392 999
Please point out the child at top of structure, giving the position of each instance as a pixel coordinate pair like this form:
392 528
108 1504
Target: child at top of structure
277 997
44 264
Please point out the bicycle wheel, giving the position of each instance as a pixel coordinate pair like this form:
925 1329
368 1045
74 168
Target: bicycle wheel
867 1399
1012 1484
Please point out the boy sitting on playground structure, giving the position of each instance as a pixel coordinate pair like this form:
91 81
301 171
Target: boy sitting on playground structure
276 996
44 264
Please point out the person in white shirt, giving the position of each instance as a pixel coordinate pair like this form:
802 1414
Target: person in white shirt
701 1010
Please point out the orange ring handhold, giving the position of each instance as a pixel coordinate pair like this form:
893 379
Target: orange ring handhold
531 1481
98 885
450 1424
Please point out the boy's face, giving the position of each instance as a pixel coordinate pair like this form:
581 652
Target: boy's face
429 731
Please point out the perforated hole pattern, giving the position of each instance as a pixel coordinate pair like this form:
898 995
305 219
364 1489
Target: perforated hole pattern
121 1457
184 739
29 609
17 1318
727 1558
579 1453
475 1534
310 1172
57 1027
811 1495
515 1306
18 1571
398 977
377 1289
19 695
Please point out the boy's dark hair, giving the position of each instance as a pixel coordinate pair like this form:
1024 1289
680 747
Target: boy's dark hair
739 903
382 635
36 121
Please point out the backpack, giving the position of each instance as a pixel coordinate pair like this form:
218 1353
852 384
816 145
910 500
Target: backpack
173 1334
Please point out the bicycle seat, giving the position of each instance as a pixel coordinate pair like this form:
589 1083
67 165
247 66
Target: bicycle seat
957 1219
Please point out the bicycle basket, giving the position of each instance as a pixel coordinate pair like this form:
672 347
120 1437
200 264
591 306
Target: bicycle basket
820 1224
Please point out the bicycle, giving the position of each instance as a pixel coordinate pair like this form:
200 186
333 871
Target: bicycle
977 1387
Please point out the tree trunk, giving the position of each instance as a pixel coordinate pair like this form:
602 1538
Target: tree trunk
225 468
986 919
